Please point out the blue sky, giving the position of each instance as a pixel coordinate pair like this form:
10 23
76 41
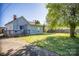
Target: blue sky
31 11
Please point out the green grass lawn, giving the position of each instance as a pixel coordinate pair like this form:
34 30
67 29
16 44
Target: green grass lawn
60 43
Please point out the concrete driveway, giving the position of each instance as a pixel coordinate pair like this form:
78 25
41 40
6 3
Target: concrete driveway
11 43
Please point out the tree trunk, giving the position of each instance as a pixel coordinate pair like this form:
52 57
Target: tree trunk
72 23
72 30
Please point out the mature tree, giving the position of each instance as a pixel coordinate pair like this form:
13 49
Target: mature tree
37 22
63 15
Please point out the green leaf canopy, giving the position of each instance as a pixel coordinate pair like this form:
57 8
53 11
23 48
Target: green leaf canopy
62 14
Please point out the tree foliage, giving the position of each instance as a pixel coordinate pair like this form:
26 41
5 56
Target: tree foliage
63 15
37 22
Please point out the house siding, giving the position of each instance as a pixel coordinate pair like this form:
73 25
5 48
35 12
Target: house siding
35 30
13 29
9 26
18 23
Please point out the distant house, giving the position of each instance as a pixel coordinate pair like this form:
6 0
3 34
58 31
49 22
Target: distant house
20 26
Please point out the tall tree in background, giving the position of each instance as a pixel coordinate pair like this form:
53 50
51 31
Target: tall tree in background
37 22
63 15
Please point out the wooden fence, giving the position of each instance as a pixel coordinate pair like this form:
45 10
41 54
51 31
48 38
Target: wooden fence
62 31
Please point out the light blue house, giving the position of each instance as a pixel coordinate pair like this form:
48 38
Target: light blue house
20 26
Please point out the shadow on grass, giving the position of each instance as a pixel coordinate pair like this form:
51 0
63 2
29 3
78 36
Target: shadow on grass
30 50
60 45
76 40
